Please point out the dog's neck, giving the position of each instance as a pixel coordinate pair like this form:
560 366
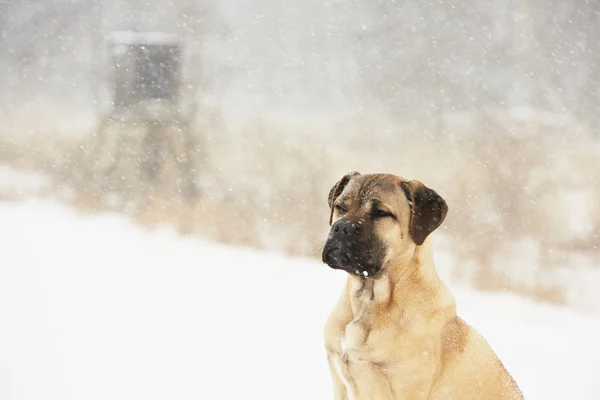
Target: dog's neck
409 281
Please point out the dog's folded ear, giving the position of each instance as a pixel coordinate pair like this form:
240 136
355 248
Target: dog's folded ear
428 210
337 189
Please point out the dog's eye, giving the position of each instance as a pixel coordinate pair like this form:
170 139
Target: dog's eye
381 214
340 208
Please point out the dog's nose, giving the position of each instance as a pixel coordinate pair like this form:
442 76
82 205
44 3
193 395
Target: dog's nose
344 227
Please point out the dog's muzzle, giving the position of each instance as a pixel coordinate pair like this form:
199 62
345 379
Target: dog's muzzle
351 247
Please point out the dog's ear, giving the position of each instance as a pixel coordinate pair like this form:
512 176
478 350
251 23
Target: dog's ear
337 189
428 210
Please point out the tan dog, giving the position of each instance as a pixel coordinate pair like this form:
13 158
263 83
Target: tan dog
394 333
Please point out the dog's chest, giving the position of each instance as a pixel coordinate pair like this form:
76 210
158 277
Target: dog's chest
357 356
354 338
356 363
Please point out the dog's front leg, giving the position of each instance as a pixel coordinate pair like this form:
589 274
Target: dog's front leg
340 392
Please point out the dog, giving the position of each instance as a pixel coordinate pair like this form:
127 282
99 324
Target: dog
394 332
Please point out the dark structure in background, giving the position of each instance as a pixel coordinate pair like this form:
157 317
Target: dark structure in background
146 66
147 93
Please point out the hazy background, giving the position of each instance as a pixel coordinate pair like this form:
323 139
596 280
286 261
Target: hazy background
495 104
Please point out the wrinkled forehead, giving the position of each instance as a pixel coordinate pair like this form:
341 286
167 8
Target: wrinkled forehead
382 187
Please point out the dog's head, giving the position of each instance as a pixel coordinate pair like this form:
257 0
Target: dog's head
377 218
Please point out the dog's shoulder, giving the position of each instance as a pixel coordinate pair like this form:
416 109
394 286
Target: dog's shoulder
338 319
455 336
466 357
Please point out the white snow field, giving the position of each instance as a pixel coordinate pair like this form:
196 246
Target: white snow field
93 307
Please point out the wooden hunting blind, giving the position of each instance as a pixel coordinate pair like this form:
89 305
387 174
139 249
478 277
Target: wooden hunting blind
146 67
147 102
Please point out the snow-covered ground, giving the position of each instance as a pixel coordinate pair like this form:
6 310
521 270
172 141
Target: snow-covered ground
92 307
14 182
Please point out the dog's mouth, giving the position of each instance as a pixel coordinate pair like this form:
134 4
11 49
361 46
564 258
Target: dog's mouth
337 259
341 258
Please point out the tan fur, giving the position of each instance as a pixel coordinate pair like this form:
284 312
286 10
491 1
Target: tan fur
397 336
